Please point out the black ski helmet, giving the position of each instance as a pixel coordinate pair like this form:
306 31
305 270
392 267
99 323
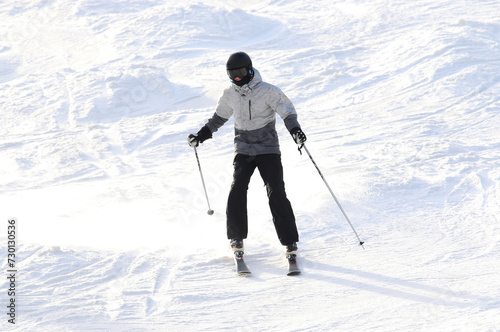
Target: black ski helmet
239 65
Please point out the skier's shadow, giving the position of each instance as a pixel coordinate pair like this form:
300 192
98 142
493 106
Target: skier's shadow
392 286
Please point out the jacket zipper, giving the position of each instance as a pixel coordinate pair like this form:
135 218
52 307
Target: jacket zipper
250 108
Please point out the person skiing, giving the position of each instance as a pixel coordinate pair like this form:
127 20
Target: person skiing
254 104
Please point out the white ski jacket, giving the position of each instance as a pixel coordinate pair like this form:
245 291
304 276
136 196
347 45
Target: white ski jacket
254 107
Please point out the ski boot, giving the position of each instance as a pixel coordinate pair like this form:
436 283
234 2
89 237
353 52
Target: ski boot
291 256
237 248
236 245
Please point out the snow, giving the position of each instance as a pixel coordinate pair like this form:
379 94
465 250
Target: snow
401 105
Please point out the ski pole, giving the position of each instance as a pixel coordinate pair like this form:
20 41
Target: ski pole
210 211
333 195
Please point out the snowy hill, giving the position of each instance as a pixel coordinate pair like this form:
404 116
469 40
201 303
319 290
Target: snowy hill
401 105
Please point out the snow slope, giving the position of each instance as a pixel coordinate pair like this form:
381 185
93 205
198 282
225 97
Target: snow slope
401 104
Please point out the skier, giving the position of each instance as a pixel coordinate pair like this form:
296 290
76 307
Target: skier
254 104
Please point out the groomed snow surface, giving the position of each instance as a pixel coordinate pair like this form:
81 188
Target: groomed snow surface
400 101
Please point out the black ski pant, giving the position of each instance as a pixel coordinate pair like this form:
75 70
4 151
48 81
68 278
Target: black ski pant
271 171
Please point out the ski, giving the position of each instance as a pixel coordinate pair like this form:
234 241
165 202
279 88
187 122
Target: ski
241 267
293 268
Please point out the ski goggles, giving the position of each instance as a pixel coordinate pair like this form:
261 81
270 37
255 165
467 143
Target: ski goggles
238 72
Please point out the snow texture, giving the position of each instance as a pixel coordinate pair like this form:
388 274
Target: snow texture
400 101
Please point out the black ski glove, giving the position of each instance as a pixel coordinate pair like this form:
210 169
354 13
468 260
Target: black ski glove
193 141
204 134
298 135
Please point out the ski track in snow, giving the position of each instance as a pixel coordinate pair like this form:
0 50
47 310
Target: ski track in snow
400 102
